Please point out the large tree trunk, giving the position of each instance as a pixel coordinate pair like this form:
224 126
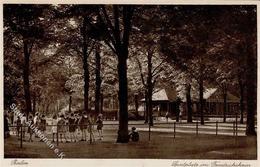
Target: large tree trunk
225 107
242 107
101 102
34 105
123 99
146 116
121 49
98 81
85 66
136 104
225 102
150 87
26 82
251 91
189 103
177 109
201 102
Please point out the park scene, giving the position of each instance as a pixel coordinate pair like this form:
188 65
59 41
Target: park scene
130 81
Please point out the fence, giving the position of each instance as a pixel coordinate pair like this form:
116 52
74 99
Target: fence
174 128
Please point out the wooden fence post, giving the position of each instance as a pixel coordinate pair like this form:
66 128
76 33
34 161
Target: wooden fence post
174 130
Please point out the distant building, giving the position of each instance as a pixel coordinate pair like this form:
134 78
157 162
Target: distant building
164 100
214 102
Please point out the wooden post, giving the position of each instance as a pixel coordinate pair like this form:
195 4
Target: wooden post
216 128
90 132
236 124
149 131
234 128
21 137
57 135
197 128
174 130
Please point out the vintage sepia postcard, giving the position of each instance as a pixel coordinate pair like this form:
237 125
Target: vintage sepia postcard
110 83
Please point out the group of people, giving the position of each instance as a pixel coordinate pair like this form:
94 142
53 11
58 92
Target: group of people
38 121
69 126
65 128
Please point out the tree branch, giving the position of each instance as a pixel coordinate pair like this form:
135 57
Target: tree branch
30 49
141 71
110 46
109 27
157 67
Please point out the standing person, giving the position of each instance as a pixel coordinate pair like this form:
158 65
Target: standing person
83 126
42 125
99 123
30 131
181 112
11 116
167 116
72 127
90 128
18 126
23 125
67 128
36 122
54 123
77 125
61 128
6 126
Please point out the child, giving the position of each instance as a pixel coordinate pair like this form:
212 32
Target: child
36 122
77 126
91 128
42 124
99 123
83 127
6 126
23 122
67 128
30 131
54 123
72 127
62 128
134 135
18 126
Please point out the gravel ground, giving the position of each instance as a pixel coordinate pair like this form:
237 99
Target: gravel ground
161 146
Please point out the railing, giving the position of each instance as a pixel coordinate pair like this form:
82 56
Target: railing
173 126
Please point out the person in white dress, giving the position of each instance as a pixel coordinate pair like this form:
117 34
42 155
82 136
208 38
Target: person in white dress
36 122
54 123
23 122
